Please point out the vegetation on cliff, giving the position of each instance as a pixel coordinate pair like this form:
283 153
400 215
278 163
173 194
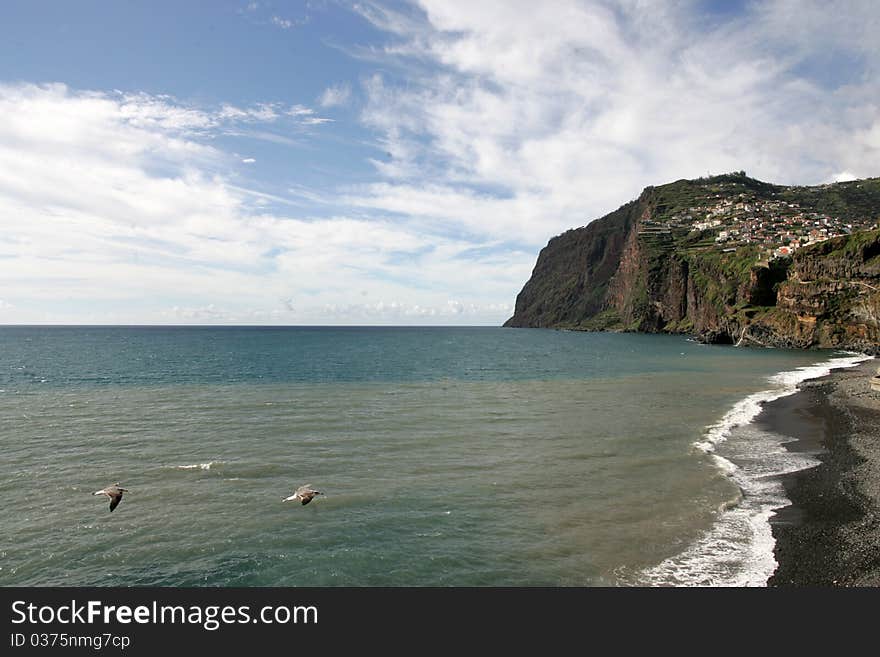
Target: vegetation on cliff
726 258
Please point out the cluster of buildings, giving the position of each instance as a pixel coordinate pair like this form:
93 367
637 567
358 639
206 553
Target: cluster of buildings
777 227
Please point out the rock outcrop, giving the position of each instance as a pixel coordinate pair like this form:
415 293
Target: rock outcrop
638 270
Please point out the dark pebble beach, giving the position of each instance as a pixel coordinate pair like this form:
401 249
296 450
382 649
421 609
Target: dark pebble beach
830 534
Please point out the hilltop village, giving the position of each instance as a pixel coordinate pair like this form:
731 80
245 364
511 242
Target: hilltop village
771 222
727 259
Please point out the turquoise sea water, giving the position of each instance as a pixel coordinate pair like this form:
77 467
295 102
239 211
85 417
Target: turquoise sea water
449 456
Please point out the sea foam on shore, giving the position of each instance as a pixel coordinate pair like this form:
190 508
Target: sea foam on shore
738 550
828 535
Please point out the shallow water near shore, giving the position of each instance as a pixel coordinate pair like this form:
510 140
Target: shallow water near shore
449 456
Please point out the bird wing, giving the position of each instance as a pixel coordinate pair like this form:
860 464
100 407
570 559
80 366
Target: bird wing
115 500
306 499
307 488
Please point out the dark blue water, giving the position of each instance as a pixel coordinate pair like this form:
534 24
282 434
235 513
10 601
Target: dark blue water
70 356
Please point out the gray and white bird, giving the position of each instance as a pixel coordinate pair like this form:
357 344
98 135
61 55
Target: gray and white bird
304 494
114 492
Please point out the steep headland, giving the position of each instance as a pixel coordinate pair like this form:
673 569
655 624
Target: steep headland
727 259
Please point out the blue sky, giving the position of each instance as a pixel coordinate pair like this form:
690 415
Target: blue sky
330 162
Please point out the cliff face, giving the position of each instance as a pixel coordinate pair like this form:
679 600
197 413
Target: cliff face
830 298
570 280
635 270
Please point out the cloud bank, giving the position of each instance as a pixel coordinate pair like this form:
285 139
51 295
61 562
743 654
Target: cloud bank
119 208
494 126
567 112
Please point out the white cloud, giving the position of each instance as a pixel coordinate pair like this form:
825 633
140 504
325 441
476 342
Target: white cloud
568 112
209 312
283 23
336 95
391 312
306 115
118 212
499 127
264 112
300 110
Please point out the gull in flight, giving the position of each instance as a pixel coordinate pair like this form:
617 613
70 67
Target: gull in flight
114 492
304 494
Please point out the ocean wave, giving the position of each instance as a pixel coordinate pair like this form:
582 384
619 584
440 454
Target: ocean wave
738 550
199 466
786 383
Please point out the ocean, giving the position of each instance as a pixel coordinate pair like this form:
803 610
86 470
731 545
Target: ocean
448 457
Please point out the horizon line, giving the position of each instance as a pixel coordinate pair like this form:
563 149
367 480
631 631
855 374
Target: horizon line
59 325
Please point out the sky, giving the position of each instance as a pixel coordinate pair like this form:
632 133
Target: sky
386 163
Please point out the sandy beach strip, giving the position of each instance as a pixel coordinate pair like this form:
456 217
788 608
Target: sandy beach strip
830 534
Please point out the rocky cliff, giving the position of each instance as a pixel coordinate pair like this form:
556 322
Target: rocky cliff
664 263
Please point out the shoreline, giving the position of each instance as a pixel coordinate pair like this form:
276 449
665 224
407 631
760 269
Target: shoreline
829 534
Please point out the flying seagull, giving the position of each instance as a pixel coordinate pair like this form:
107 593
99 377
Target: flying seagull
114 492
304 494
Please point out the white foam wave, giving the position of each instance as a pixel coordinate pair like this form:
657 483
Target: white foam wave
738 550
784 384
199 466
